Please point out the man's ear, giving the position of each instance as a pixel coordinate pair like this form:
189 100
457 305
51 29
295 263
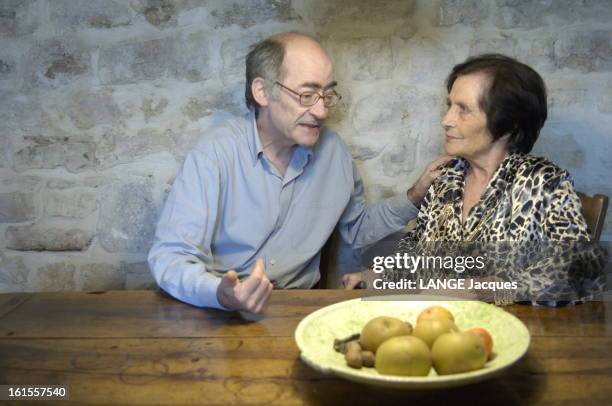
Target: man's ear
260 93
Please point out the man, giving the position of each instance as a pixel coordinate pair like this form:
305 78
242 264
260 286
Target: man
258 196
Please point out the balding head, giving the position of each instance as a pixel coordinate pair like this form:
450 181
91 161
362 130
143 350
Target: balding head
265 60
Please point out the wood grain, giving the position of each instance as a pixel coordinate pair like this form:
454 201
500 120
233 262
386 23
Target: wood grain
145 348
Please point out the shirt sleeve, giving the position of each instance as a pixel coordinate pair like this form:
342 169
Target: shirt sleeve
181 252
361 225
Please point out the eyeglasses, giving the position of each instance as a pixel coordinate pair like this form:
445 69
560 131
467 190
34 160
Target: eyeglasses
310 98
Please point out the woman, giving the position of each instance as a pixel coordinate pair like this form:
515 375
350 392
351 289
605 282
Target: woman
494 191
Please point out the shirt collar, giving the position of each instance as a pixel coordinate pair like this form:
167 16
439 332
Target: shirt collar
303 154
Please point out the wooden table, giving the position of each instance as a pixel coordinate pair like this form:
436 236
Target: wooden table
142 347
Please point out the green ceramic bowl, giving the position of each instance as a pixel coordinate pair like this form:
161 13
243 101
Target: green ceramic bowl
316 333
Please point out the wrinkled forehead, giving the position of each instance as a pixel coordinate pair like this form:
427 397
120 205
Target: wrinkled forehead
306 62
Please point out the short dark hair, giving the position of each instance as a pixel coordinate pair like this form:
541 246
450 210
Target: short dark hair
263 60
514 100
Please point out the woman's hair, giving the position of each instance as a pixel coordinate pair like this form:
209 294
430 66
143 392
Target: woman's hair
514 100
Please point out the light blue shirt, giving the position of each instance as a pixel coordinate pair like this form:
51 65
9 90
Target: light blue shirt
229 206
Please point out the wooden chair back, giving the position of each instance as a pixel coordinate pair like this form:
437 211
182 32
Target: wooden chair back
594 210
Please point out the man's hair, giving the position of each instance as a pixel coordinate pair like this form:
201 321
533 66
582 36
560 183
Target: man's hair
514 100
263 60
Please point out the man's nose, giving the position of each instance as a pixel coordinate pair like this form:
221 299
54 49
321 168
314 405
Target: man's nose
319 110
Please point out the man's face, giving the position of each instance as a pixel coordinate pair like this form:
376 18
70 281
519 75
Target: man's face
305 68
465 124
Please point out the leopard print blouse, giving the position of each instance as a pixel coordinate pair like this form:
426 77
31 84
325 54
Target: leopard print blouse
530 202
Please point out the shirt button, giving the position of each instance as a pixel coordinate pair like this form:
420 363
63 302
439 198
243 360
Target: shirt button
272 261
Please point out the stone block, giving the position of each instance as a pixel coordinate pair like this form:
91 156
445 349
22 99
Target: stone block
125 148
6 67
38 238
75 156
401 112
73 203
464 12
100 14
399 159
363 152
181 57
537 51
586 51
527 14
128 215
98 277
250 13
89 108
56 277
56 62
13 274
17 206
365 12
18 17
364 58
138 276
153 107
233 55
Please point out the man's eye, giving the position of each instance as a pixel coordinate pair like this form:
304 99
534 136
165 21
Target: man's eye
307 96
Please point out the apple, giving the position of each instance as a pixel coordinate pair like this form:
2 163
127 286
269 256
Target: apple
403 355
380 329
430 329
486 338
435 312
458 352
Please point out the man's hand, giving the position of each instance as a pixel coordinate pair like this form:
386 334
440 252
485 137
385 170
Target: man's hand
351 280
417 192
251 295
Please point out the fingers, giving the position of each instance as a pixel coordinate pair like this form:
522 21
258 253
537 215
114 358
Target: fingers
226 292
259 296
437 163
257 275
263 303
351 280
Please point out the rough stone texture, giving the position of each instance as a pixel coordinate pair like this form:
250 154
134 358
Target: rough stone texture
76 14
247 14
39 238
101 100
97 277
529 14
585 51
153 107
75 156
16 207
90 108
184 58
128 215
467 12
56 62
70 203
13 274
56 277
18 17
138 276
364 58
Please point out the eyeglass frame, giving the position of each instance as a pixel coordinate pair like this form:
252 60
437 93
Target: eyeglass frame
320 96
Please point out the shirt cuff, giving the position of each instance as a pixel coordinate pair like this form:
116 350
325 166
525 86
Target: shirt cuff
402 207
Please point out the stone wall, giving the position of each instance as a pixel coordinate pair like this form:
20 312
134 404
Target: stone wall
101 99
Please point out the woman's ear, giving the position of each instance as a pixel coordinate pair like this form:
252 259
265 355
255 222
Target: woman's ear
260 93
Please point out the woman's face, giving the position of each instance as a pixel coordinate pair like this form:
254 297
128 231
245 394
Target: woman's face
465 124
